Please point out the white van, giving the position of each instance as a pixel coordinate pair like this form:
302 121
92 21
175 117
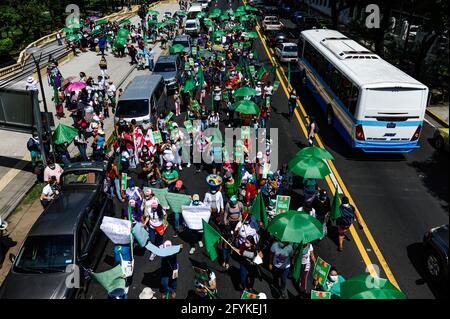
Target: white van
142 98
193 11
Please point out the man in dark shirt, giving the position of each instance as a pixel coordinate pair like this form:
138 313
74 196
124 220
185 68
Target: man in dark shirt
322 206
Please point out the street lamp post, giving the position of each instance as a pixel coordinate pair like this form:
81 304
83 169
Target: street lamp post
32 52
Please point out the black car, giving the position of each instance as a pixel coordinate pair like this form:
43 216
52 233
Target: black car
269 11
435 243
65 240
276 37
308 22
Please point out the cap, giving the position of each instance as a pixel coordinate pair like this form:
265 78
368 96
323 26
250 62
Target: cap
132 203
167 243
30 79
259 155
234 199
179 184
195 197
148 192
169 164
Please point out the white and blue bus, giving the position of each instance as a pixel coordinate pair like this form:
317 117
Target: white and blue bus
374 106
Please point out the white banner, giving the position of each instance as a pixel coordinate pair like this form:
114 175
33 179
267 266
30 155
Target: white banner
193 216
117 230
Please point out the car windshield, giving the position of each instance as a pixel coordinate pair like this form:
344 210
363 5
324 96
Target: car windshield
191 25
290 48
45 254
80 177
165 67
132 108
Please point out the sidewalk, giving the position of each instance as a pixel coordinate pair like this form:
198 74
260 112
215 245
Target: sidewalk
15 179
440 110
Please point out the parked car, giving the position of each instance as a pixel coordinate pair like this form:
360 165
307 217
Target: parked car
66 236
285 9
297 16
276 37
441 138
272 23
435 243
308 22
185 40
287 52
192 27
270 11
170 67
203 3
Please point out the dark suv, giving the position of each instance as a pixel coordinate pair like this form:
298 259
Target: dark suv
435 243
65 239
169 66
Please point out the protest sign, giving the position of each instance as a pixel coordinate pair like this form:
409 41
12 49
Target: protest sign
157 137
276 85
268 102
282 205
176 201
140 234
160 194
320 294
189 127
117 230
252 69
187 67
321 270
249 295
191 62
168 117
163 252
193 216
266 169
194 51
124 181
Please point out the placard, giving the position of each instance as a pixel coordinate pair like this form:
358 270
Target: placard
252 69
168 117
321 270
176 201
276 86
189 127
124 181
320 294
194 51
193 216
157 137
282 205
117 230
191 62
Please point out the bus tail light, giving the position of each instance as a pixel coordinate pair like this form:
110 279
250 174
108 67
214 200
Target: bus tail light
417 133
359 133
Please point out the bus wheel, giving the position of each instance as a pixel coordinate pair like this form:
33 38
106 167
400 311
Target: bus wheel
330 115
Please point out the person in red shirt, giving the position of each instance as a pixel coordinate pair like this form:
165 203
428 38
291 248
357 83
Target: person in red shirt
251 191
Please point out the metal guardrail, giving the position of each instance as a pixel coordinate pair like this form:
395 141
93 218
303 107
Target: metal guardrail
436 117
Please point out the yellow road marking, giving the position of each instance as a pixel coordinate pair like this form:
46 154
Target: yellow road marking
353 232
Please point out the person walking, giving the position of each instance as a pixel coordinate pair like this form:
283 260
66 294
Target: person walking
102 44
280 264
81 143
155 218
195 236
49 192
59 38
292 103
348 217
103 64
308 256
169 273
151 59
322 207
312 130
247 269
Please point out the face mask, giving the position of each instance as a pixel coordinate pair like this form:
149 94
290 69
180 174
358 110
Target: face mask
333 278
346 205
195 203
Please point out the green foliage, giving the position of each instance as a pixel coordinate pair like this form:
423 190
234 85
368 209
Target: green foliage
5 46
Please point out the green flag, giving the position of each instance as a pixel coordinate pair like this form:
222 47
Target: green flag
335 208
176 201
110 279
201 77
262 70
259 209
210 237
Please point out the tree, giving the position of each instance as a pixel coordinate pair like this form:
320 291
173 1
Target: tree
6 46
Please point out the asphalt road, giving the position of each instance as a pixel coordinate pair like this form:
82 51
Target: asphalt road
399 196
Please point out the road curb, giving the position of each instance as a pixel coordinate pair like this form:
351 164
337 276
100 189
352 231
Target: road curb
436 117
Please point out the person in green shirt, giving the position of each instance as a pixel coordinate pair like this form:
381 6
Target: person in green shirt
170 176
333 283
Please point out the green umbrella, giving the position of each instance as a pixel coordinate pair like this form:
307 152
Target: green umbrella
96 31
120 42
181 13
314 151
214 15
244 19
195 105
244 92
125 21
123 33
224 17
237 27
152 22
252 16
64 134
170 21
241 9
365 286
189 85
238 14
73 37
208 22
246 107
218 34
201 15
101 21
250 8
153 12
309 167
296 227
250 35
229 11
160 25
177 48
217 11
67 30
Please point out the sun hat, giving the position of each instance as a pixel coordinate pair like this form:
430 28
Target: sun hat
30 79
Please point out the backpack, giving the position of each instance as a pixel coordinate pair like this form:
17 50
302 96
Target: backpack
32 144
347 215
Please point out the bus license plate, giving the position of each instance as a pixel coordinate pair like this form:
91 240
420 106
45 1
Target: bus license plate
391 125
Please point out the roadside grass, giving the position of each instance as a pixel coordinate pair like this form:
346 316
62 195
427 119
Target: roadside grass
32 195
